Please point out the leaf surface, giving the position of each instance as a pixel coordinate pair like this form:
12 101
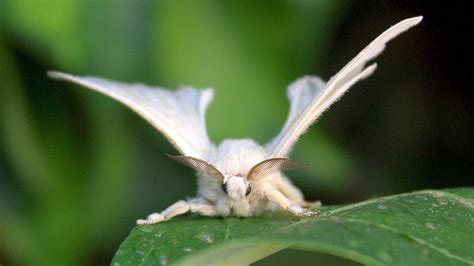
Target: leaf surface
424 227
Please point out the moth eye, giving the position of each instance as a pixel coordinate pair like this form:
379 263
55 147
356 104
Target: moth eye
249 189
224 187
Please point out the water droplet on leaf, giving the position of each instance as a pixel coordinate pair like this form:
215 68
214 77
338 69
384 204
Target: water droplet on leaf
336 219
353 243
443 202
425 252
145 228
430 226
163 260
384 256
205 237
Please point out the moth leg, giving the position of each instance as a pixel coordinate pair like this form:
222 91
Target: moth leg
283 202
202 208
178 208
285 186
311 204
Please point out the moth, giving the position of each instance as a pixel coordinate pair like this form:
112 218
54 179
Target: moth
238 177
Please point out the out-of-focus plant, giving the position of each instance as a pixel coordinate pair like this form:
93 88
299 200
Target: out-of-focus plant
71 179
77 168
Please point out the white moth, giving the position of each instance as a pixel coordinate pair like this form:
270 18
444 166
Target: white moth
238 177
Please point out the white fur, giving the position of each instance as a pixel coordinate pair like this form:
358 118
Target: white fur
236 157
180 117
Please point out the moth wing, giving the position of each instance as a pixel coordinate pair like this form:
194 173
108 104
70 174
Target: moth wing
310 96
179 115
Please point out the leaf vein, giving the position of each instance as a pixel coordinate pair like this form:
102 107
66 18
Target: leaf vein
443 251
463 200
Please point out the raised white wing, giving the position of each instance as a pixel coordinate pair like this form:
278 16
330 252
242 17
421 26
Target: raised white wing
310 97
179 115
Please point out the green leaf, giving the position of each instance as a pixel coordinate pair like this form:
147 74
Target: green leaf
425 227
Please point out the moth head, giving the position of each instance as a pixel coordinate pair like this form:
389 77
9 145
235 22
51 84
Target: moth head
238 187
235 186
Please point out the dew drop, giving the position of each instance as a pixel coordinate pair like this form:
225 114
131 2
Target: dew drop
430 226
443 202
205 237
425 252
353 243
384 256
145 228
163 260
336 219
187 249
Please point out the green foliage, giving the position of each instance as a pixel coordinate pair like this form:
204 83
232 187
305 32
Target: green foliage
76 168
431 227
76 162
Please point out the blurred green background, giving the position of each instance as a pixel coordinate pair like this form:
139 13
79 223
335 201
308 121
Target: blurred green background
77 169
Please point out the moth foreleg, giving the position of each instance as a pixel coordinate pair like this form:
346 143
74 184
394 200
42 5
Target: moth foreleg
311 204
181 207
285 186
177 208
283 202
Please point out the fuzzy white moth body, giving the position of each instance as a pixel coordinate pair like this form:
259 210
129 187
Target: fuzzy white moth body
236 158
238 177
